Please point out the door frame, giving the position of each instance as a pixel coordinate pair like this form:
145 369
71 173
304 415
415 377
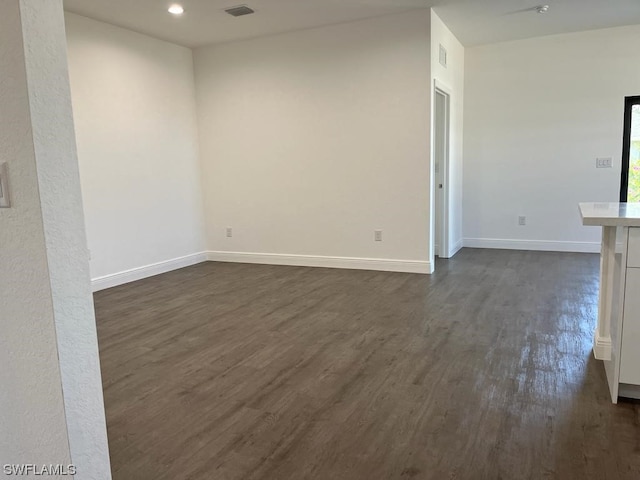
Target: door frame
444 250
626 146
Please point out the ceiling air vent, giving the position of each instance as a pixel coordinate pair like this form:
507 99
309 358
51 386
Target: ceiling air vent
239 11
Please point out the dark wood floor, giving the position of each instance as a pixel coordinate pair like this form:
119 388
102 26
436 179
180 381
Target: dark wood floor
481 371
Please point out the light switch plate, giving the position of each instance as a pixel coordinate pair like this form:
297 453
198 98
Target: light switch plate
4 186
604 162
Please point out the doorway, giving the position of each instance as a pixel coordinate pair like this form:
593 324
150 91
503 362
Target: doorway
630 181
441 128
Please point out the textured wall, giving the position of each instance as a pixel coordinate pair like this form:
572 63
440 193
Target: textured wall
45 283
32 423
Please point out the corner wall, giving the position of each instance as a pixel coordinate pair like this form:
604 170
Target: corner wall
134 109
33 427
312 140
51 404
451 78
538 113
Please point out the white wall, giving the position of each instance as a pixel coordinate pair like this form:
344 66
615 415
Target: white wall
312 140
51 407
134 108
452 79
32 423
538 113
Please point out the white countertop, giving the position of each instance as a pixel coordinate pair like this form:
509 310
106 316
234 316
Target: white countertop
610 214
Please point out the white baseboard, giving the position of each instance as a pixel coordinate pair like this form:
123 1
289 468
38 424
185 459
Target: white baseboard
146 271
456 247
406 266
453 249
384 265
542 245
601 347
629 391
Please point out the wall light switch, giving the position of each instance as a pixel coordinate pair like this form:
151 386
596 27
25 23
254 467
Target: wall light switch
604 162
4 186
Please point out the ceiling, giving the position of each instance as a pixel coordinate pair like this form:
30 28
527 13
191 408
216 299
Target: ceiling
477 22
474 22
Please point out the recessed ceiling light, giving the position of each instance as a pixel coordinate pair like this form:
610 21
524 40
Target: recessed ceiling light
542 9
176 9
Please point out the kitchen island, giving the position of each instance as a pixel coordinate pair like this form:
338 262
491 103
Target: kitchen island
617 335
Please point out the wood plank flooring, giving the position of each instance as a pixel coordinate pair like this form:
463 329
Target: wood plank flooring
480 371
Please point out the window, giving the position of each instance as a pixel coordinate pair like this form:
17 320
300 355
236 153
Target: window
630 182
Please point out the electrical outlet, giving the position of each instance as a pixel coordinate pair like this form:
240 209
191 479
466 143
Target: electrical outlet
377 235
229 232
522 220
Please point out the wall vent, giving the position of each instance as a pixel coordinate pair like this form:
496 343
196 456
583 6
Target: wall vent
443 56
239 11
